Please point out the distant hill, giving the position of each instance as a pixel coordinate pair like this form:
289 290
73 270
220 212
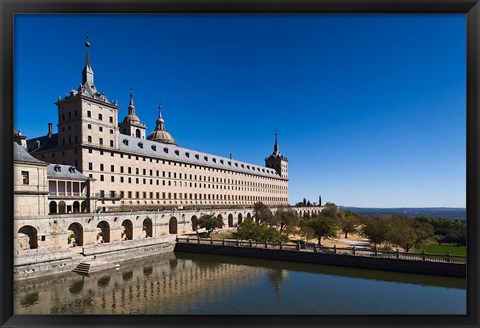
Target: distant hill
440 212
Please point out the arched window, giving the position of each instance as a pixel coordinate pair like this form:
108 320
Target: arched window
31 236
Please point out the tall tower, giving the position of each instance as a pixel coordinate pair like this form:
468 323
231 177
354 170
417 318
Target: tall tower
86 118
277 161
131 124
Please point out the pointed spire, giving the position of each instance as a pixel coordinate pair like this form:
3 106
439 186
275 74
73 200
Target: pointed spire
160 121
87 73
131 107
275 147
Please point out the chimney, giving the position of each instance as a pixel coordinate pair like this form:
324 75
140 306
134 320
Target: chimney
20 139
230 155
50 130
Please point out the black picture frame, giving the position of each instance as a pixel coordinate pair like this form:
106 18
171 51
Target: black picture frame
10 7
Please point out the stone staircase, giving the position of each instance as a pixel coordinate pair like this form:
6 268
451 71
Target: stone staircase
87 267
82 268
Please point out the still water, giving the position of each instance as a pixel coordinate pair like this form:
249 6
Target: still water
184 283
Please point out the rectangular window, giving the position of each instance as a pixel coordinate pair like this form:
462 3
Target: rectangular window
121 179
111 131
111 120
89 113
101 177
100 117
151 195
89 138
137 180
101 167
112 168
90 150
101 141
25 177
102 193
112 178
90 166
100 129
129 180
137 194
121 169
89 126
111 144
122 194
129 194
129 170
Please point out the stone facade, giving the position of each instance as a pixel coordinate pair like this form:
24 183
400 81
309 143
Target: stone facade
132 172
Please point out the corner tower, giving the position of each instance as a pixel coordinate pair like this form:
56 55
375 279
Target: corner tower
277 161
86 118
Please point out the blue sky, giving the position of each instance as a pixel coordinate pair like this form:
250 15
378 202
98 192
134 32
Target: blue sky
370 109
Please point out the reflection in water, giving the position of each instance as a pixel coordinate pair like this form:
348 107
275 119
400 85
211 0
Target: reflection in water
103 281
204 284
277 277
29 300
76 287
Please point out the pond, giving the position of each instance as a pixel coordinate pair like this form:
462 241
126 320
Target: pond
186 283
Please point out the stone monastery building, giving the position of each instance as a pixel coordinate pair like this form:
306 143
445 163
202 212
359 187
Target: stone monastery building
131 169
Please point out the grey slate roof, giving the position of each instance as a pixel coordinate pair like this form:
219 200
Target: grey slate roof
58 171
46 143
172 152
20 154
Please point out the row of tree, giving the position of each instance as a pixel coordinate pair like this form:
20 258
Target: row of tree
394 230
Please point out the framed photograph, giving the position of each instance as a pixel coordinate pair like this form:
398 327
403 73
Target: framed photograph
252 163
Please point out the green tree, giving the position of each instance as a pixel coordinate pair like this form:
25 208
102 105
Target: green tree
285 219
259 232
408 233
320 225
375 229
210 223
262 213
348 222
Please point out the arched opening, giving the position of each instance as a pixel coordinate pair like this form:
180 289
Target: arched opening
53 207
127 230
240 218
194 223
30 234
62 207
103 236
147 227
249 216
172 226
230 220
137 133
75 237
84 207
76 207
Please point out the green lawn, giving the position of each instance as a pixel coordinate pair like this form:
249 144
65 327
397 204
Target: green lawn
442 249
227 235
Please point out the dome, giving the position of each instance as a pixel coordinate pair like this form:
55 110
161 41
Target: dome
161 136
131 117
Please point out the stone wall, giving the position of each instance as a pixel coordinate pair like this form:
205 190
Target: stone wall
410 266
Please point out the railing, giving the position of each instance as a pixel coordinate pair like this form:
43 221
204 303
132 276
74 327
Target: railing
355 251
67 194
